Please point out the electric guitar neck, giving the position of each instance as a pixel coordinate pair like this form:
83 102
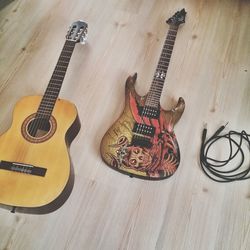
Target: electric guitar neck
142 142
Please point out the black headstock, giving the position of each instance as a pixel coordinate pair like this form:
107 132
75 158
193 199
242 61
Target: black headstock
178 18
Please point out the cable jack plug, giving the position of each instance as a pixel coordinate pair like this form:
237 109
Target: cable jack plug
218 131
204 133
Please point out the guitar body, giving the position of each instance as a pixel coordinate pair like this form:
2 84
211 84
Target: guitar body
158 161
48 151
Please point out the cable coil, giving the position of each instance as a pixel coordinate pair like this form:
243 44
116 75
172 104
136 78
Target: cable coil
213 167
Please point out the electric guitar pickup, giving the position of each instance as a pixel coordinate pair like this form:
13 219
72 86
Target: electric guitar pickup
142 142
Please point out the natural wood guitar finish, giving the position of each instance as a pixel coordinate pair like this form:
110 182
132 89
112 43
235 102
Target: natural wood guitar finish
25 190
35 168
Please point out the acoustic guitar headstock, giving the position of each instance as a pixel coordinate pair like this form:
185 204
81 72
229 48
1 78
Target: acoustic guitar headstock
77 32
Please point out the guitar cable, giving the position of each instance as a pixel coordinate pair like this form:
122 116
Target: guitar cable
212 167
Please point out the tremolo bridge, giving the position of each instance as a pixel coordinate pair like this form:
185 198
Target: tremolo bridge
142 135
23 168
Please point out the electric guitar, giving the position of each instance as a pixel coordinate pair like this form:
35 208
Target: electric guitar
142 142
35 167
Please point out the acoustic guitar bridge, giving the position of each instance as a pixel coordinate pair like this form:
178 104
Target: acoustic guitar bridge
23 168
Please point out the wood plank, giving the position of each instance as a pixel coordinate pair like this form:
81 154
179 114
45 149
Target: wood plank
209 68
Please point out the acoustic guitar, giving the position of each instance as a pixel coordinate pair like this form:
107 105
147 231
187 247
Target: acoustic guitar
142 142
35 166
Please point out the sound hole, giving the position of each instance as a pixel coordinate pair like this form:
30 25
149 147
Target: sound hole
39 127
36 129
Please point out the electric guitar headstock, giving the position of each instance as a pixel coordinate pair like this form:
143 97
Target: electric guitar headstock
77 32
178 18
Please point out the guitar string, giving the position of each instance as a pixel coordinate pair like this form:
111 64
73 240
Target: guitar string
52 91
48 101
171 33
43 118
35 125
150 96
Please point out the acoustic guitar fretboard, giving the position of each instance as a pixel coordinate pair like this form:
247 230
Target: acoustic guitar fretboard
51 94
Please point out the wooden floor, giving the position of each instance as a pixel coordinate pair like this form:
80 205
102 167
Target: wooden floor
209 69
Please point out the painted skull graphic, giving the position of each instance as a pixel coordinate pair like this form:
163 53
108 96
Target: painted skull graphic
139 158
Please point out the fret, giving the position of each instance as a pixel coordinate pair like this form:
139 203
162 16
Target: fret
67 57
44 111
166 54
56 87
51 94
156 96
63 67
53 81
162 68
171 39
164 51
57 70
169 46
47 101
170 42
47 106
62 58
153 98
62 63
162 62
157 81
66 53
57 77
69 46
47 110
159 88
167 60
172 32
167 49
58 74
40 114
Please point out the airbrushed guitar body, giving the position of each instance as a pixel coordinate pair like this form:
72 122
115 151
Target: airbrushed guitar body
142 142
41 169
143 155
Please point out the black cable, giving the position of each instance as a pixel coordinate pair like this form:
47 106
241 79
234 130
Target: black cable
212 167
